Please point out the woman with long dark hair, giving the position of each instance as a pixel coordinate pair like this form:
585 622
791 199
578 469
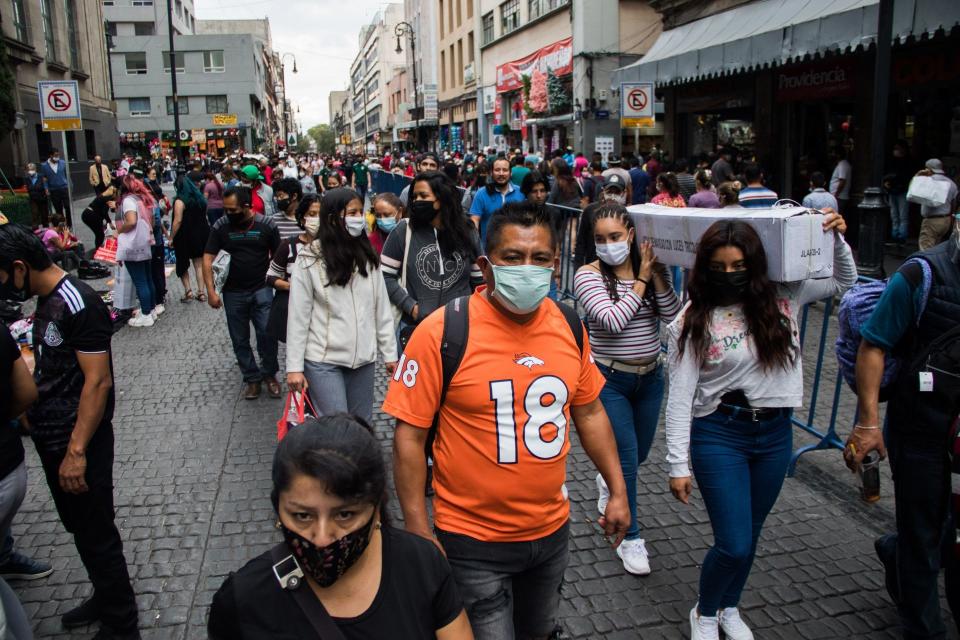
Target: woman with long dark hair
627 294
388 211
430 258
362 575
188 233
668 191
339 312
735 377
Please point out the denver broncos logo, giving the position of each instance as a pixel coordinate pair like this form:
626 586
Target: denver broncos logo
528 361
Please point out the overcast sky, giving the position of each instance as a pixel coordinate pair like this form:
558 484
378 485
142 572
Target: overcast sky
322 34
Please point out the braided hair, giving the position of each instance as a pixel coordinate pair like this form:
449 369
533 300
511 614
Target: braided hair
619 213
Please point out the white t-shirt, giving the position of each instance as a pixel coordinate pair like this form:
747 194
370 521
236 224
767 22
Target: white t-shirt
842 171
130 203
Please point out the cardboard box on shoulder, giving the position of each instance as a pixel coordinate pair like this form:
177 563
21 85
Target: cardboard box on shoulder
797 247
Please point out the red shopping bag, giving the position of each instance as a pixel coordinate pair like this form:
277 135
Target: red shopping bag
108 252
295 410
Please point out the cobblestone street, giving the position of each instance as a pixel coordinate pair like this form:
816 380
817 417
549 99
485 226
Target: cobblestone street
193 476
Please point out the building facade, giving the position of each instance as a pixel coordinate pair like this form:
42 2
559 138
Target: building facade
64 40
458 75
423 105
374 65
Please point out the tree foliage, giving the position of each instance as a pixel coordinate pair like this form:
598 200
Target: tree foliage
558 96
325 136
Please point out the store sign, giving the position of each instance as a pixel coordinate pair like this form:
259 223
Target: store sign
940 67
431 102
489 99
199 136
224 119
816 82
557 57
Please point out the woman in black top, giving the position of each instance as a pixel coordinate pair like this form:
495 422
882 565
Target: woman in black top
189 233
373 581
98 214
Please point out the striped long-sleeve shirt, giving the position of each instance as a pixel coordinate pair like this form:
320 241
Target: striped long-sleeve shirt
627 329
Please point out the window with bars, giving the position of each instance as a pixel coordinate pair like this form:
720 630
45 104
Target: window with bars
20 30
138 107
213 62
183 106
487 36
217 104
509 16
49 35
136 63
178 57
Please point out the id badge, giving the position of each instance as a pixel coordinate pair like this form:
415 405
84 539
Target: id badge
926 381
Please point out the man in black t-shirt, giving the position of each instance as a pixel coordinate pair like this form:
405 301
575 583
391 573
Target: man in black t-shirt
251 241
71 421
17 392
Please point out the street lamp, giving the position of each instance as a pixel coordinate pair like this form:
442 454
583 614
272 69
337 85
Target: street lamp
406 29
283 105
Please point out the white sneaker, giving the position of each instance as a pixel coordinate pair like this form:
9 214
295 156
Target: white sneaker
158 310
142 320
604 495
733 625
703 627
634 556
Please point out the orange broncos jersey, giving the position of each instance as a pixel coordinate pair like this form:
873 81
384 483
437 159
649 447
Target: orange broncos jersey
504 429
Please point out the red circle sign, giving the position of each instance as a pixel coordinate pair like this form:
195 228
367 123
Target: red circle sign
637 99
59 100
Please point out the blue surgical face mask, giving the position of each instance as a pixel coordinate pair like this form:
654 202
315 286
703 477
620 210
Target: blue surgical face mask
387 224
521 288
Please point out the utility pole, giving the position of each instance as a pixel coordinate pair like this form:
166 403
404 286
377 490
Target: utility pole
406 29
173 86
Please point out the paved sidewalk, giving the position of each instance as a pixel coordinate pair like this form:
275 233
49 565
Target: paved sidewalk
193 477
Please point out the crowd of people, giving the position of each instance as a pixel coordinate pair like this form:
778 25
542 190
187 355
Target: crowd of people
451 287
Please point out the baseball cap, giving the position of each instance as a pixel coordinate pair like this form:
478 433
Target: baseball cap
935 165
612 160
251 172
614 180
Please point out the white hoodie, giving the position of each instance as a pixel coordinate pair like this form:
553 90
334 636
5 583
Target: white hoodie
341 326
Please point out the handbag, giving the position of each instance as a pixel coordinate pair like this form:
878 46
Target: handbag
294 412
288 573
134 246
397 312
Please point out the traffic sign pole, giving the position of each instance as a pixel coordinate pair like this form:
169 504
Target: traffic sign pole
66 164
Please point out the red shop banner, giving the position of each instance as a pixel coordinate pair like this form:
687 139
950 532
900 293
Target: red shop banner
556 57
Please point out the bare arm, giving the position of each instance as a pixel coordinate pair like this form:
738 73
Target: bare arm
97 381
459 629
177 218
410 477
23 388
596 436
866 435
129 222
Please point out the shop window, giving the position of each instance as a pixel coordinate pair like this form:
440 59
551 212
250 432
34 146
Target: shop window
138 107
136 63
509 16
487 36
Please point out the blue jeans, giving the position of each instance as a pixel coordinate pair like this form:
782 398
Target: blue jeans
632 403
334 389
141 273
899 215
509 589
740 466
242 308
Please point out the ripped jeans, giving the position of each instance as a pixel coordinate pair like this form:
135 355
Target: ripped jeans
510 590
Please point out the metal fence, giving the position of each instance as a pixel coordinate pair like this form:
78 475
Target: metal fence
816 320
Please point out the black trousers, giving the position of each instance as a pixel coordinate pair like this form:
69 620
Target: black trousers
95 222
60 199
89 517
158 273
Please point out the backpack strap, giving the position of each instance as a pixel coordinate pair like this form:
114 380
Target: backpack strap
456 331
573 320
292 583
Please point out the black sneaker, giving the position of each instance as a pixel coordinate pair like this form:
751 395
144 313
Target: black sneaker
20 567
81 616
886 548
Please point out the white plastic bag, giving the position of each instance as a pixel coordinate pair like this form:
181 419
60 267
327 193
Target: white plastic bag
928 191
221 269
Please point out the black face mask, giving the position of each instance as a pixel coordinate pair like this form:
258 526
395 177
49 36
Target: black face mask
236 218
9 292
422 213
727 287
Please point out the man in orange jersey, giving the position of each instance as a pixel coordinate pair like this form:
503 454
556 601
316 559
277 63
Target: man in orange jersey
501 510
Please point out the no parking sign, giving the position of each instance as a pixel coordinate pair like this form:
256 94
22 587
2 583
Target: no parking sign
59 105
636 104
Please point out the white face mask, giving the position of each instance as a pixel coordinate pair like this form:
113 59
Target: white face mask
614 253
355 225
311 225
618 198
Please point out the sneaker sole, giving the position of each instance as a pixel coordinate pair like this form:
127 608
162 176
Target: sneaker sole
26 576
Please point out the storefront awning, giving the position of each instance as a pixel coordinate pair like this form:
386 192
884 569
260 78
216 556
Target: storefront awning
550 121
776 32
412 124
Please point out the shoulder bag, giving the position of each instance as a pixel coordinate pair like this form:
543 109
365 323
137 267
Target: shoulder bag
288 573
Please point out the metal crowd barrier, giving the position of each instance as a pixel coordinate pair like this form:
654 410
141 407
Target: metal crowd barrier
384 182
